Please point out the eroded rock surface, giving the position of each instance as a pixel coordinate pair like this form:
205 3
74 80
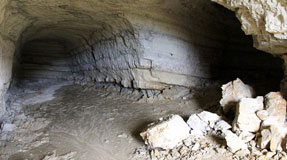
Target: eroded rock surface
265 20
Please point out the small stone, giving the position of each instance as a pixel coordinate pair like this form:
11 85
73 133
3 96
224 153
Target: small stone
242 153
262 114
270 154
234 142
222 125
195 147
232 92
188 141
123 135
166 133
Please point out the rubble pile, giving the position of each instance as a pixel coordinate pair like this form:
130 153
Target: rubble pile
258 131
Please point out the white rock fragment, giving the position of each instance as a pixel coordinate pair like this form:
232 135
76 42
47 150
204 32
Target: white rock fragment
246 119
197 125
234 142
7 127
167 133
209 118
232 92
195 147
222 125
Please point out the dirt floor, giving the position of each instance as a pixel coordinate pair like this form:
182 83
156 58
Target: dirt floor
67 121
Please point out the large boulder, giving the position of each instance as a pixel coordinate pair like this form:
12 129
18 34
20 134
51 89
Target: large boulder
166 133
232 92
246 119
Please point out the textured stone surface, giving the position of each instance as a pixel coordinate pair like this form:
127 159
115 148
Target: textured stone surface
166 133
232 92
275 105
265 20
246 119
234 142
140 44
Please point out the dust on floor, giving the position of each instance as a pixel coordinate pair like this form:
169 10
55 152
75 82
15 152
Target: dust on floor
85 123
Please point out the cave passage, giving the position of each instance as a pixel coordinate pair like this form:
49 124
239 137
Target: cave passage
75 73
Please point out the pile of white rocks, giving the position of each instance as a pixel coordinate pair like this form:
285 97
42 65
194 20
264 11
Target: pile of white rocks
170 131
260 119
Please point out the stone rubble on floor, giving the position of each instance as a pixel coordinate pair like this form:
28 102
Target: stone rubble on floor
259 129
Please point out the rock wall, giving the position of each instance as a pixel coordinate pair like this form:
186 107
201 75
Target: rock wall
142 44
44 59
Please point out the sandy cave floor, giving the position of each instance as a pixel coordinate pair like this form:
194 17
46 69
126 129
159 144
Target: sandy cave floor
85 122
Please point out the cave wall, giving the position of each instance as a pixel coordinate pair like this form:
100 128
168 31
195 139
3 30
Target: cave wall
266 21
44 59
136 43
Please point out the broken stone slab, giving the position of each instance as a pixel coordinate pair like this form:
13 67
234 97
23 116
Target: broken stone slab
209 118
234 142
246 119
246 136
175 92
232 92
198 126
202 122
275 105
166 133
222 126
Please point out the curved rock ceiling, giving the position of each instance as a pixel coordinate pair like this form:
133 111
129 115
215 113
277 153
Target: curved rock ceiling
148 44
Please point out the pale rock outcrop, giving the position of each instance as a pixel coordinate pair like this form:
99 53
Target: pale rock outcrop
265 20
246 119
166 133
232 92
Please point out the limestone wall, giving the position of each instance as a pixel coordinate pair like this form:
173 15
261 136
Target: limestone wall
137 43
